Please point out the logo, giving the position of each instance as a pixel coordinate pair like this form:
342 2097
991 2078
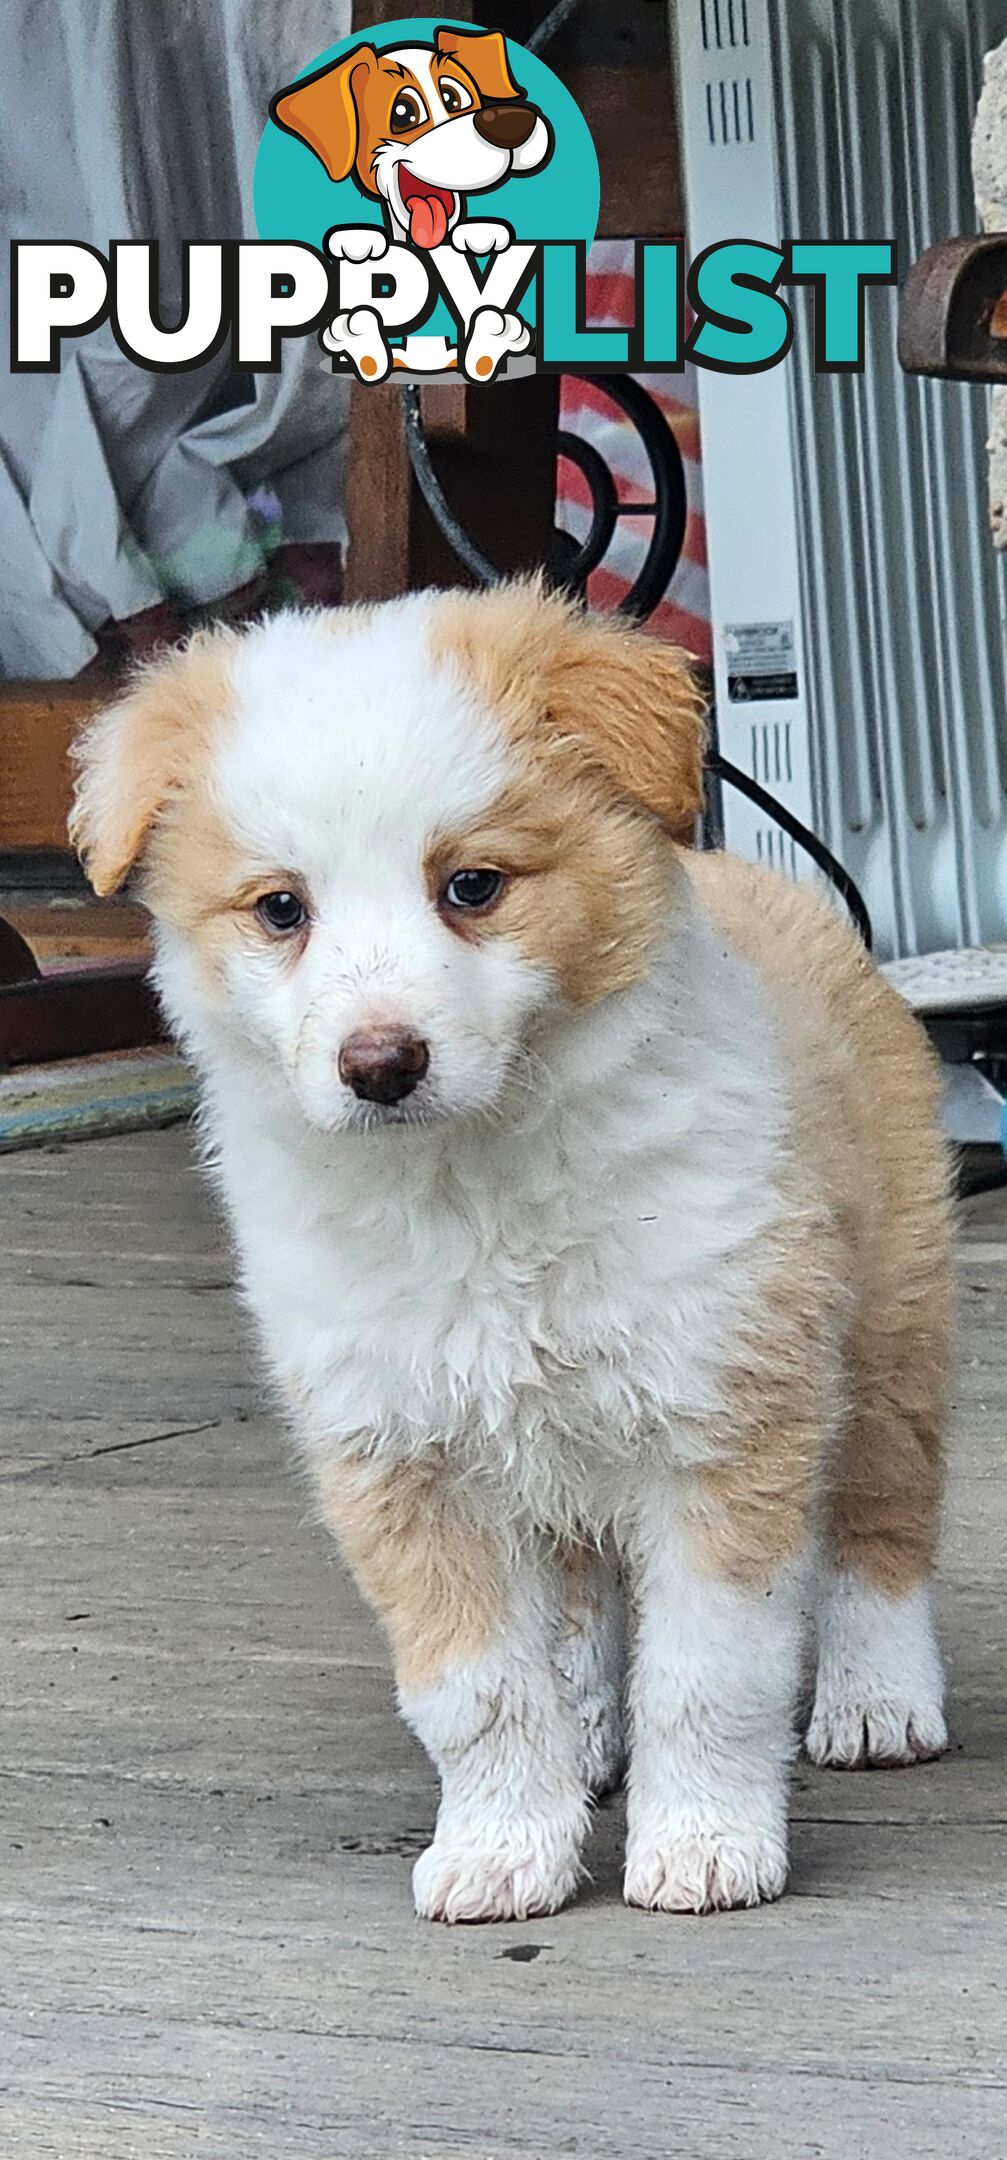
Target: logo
430 167
425 197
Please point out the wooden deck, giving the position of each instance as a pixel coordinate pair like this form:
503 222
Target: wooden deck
209 1809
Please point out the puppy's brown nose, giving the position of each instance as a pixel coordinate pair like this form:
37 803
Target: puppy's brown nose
506 126
383 1064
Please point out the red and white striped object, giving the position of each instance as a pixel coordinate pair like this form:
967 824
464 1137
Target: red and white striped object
684 614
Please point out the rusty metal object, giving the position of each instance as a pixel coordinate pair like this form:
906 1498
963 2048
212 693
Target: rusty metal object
17 961
77 1015
953 310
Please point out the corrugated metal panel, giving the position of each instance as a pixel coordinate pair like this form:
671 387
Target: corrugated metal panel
904 600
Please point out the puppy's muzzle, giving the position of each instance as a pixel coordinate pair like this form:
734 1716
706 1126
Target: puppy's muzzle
506 127
383 1065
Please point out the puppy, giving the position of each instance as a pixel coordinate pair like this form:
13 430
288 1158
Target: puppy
590 1200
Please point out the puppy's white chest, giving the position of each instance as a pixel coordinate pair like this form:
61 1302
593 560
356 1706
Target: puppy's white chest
541 1325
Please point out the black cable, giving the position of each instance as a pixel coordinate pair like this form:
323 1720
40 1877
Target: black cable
486 573
845 885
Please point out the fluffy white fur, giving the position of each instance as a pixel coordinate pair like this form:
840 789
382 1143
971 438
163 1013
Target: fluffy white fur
880 1692
505 1742
543 1273
533 1265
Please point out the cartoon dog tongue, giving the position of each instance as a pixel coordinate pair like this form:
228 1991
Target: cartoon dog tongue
428 220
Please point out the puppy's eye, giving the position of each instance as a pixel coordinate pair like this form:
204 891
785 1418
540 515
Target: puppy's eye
408 112
454 96
474 888
282 912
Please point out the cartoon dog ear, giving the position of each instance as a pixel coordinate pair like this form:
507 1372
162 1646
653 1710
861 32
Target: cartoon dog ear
483 54
322 110
135 755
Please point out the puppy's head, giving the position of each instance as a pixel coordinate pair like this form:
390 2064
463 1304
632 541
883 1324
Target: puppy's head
387 849
420 126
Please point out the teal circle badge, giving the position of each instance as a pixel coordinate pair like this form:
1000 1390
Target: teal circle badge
295 198
417 155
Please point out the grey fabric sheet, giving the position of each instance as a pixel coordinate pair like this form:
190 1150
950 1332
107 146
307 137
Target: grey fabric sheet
140 119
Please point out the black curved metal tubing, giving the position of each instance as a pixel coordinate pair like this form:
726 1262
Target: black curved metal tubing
436 501
649 587
585 556
669 508
546 30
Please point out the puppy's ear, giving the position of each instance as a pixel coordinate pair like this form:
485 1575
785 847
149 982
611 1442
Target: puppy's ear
632 703
323 110
483 54
133 757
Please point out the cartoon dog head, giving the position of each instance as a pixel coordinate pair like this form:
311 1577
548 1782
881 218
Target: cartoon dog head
419 126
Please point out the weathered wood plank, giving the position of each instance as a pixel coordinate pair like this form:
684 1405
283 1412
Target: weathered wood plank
208 1809
38 723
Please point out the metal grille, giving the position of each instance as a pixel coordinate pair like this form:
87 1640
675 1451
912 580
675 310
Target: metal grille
725 24
903 597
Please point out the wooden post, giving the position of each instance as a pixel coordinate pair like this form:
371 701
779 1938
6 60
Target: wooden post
494 451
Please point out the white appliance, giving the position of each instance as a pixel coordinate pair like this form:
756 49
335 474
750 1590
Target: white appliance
846 515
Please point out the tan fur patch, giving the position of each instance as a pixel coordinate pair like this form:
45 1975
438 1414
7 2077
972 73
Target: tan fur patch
143 797
622 705
589 880
134 760
607 725
578 1567
866 1220
431 1575
752 1509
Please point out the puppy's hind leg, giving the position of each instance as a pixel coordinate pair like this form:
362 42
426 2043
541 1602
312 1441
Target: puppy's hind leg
591 1660
879 1698
880 1691
471 1628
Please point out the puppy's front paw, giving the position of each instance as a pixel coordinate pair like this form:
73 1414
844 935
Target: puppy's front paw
708 1871
879 1695
513 1872
875 1732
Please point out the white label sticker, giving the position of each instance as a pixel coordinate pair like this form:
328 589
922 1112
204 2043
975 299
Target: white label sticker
761 661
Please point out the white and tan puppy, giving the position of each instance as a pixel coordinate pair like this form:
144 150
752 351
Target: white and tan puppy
590 1200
